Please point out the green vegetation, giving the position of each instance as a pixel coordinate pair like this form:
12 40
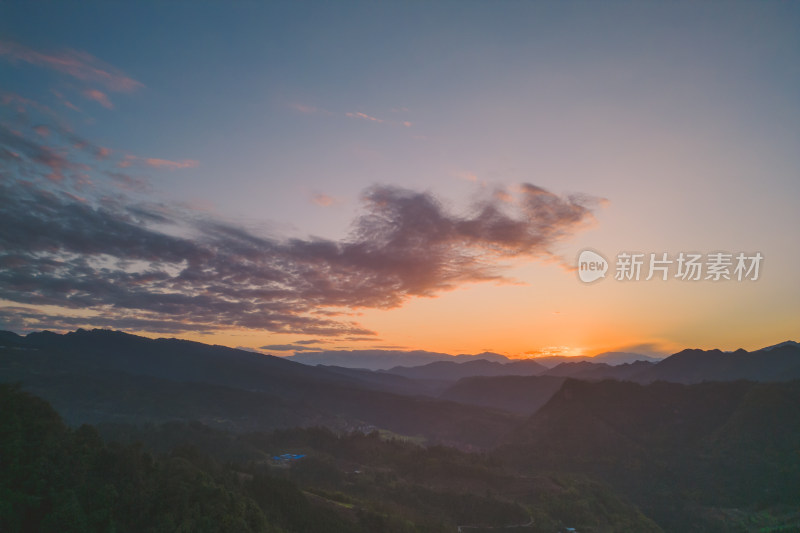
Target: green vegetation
54 478
706 457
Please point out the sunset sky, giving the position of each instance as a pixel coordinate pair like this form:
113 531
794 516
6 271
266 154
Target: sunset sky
403 175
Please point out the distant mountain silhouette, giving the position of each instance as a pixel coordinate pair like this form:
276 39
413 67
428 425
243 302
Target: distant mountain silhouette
598 371
453 371
386 359
780 363
609 358
776 363
781 345
389 359
619 358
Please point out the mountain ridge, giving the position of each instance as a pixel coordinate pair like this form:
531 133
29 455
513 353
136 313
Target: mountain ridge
104 376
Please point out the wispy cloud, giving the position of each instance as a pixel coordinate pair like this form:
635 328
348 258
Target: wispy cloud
40 144
98 96
171 165
77 64
323 199
359 115
466 176
364 116
302 108
61 98
42 130
129 160
127 182
27 156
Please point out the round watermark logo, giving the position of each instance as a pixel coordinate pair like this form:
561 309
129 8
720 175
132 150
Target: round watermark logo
591 266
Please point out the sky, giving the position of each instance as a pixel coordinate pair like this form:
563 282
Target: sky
304 176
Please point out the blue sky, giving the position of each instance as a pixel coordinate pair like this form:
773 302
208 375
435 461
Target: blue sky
677 124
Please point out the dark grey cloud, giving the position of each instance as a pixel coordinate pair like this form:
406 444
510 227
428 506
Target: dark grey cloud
128 182
119 262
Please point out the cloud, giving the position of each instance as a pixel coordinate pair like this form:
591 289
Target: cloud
79 65
466 176
171 165
27 155
248 349
126 161
323 199
65 102
286 348
129 160
307 109
314 341
128 182
40 146
123 265
99 97
389 347
363 116
312 110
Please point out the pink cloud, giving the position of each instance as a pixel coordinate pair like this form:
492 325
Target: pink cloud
155 162
22 103
79 65
466 176
172 165
126 161
57 162
307 109
66 102
364 116
323 199
99 97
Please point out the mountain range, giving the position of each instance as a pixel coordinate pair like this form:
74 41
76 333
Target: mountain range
387 359
101 376
776 363
699 441
108 376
